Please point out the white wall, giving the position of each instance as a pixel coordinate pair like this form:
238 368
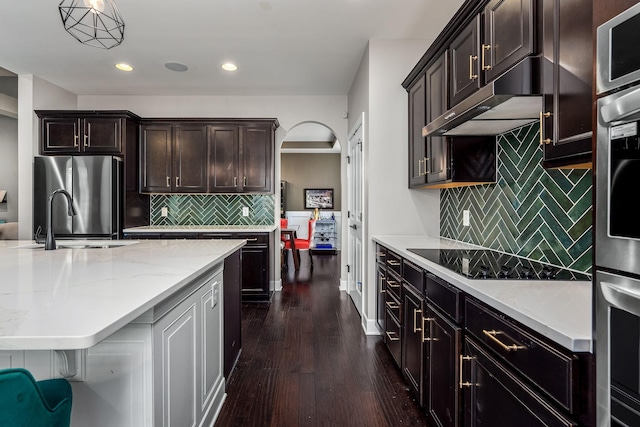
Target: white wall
34 93
391 208
9 167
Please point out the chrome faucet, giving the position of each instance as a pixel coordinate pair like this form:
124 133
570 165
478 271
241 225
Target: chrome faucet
50 243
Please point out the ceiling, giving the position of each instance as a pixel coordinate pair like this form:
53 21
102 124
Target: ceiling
282 47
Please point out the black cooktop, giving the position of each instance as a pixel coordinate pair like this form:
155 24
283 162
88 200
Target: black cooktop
489 264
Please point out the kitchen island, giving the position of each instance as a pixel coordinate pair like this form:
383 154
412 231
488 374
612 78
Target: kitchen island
137 328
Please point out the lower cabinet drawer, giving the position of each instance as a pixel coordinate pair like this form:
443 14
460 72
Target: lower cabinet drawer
393 337
553 370
394 284
392 306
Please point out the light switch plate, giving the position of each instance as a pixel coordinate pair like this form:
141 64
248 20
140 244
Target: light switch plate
245 211
465 217
164 212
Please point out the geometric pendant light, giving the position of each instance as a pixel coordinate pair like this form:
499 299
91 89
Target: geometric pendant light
95 23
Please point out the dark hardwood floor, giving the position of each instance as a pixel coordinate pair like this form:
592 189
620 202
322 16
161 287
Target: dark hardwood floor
306 361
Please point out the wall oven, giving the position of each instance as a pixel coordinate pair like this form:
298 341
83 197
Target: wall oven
617 244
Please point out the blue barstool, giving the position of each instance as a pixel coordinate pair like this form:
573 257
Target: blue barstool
25 402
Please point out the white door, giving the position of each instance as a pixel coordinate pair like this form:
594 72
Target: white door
355 215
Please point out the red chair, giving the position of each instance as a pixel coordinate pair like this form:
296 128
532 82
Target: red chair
303 244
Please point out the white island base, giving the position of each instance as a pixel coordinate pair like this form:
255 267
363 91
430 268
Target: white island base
161 366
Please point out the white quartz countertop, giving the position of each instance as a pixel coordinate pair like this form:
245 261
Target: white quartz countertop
558 310
73 298
202 229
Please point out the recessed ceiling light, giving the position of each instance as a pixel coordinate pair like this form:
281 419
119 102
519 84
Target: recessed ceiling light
124 67
228 66
176 66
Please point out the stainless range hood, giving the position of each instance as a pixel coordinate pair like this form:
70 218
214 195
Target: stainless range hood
512 100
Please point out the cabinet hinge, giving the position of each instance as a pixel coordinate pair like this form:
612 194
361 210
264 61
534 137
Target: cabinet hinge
348 160
348 268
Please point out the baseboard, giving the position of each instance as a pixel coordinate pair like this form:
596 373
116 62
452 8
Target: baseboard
370 326
276 285
343 285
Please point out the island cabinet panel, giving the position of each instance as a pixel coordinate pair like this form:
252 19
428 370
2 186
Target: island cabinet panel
74 132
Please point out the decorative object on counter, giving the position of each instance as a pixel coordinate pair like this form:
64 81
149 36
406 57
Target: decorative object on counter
25 401
532 212
96 23
318 198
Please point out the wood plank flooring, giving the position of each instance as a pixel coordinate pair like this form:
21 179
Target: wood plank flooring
306 361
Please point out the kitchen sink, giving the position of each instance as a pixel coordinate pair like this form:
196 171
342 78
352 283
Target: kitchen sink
82 244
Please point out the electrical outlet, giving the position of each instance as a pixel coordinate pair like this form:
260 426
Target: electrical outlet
245 211
465 217
164 212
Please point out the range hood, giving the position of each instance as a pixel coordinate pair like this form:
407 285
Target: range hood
512 100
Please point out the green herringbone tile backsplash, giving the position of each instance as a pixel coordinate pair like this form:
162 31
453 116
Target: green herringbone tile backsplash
537 213
213 209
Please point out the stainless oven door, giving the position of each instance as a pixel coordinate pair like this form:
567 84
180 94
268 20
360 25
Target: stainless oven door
617 350
618 182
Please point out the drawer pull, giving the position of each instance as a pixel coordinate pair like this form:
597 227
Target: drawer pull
465 383
395 336
380 254
492 335
543 115
255 239
393 262
472 58
424 328
393 305
393 283
75 141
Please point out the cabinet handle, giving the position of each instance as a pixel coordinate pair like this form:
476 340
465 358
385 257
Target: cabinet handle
380 254
235 181
75 141
427 171
393 283
415 320
420 167
393 338
471 59
542 117
393 262
86 140
466 383
393 305
424 328
484 48
244 181
168 182
255 239
492 335
177 181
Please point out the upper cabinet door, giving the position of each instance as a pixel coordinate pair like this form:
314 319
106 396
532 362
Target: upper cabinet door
508 35
465 62
417 120
102 135
256 155
223 159
568 82
155 156
60 135
190 159
437 158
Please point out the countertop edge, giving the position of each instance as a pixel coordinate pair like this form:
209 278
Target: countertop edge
202 229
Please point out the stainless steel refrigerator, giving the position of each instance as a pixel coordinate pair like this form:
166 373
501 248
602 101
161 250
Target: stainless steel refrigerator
96 186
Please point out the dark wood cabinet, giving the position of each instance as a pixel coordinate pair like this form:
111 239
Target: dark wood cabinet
567 71
84 132
255 267
436 163
256 155
412 341
443 349
508 36
494 396
381 277
232 282
417 143
224 163
464 62
173 158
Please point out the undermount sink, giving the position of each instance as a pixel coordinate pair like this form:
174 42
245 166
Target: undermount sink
82 244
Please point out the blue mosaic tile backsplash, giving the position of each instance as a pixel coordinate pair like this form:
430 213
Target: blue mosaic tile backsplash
212 209
537 213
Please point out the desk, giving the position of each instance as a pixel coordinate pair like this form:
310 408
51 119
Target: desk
289 234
